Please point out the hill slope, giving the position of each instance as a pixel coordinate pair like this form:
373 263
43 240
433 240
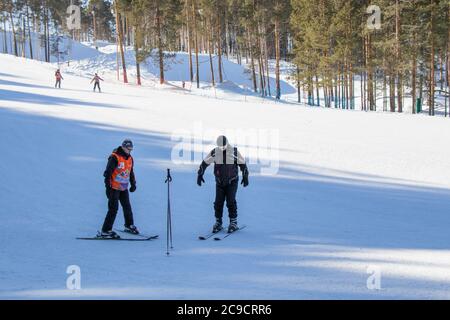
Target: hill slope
353 191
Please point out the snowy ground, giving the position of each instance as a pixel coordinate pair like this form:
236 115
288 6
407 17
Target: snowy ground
355 192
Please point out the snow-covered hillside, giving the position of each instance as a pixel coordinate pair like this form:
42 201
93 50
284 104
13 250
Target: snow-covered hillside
83 59
69 49
86 58
354 192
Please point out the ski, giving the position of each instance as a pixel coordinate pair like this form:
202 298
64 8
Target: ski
209 235
118 239
138 235
229 234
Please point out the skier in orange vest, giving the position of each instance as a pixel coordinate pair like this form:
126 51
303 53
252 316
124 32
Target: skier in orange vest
119 175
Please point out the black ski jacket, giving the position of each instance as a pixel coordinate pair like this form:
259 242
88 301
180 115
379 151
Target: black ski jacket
226 163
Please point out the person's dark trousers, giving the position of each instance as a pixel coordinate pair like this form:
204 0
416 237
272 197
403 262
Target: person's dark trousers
97 85
226 193
115 197
58 84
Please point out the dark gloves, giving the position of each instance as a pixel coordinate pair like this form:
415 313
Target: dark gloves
200 173
245 177
200 180
133 188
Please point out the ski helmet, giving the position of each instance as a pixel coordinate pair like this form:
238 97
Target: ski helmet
127 143
222 141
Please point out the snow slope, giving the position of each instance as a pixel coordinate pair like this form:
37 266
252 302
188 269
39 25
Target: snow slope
236 78
83 59
71 50
354 192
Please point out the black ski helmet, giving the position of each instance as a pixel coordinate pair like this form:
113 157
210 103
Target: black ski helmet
222 141
127 143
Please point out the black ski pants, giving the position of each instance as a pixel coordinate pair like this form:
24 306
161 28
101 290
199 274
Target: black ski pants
116 196
97 85
227 193
58 84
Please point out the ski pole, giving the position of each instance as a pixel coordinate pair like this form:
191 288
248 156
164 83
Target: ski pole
169 218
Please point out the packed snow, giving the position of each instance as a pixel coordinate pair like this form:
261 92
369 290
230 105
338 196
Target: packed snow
339 198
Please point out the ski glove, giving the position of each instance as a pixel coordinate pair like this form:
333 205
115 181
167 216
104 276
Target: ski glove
245 178
133 188
200 180
200 173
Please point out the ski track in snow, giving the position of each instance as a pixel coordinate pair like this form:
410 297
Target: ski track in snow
354 191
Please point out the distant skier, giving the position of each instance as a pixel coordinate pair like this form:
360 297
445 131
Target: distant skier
97 82
58 78
119 174
226 161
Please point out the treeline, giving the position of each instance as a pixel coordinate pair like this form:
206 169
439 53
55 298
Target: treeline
338 53
47 18
406 56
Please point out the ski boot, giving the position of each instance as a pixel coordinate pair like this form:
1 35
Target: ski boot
131 229
108 235
233 225
217 226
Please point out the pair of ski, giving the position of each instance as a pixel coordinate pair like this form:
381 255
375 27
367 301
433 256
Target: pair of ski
212 234
140 237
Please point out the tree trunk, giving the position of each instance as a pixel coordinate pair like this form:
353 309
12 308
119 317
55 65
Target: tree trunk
347 85
250 46
431 82
160 48
219 47
384 91
5 41
30 41
210 55
414 75
45 36
189 41
194 9
24 36
317 90
392 91
442 67
398 57
299 97
120 39
136 50
448 55
277 56
266 57
16 53
261 61
47 25
352 89
261 76
94 22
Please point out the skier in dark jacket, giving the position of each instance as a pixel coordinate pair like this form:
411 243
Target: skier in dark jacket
58 78
226 161
119 174
97 79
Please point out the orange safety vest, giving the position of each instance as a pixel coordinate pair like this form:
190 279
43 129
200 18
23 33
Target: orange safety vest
121 175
